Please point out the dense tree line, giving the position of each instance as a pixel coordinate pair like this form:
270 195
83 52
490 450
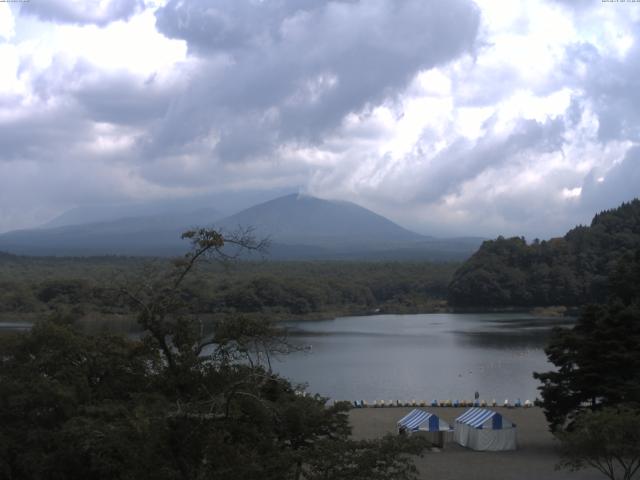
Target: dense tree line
571 270
30 287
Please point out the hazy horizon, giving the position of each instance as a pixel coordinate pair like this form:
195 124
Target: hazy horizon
114 212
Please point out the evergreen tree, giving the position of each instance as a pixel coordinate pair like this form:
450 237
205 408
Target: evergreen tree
598 360
572 270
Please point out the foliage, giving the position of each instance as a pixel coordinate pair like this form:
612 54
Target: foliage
379 459
598 363
279 290
598 360
81 406
571 270
68 399
608 440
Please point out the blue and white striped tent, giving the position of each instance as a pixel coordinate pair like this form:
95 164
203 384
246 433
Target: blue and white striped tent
482 429
478 417
421 420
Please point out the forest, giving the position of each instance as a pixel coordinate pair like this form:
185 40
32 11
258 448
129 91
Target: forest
89 288
570 271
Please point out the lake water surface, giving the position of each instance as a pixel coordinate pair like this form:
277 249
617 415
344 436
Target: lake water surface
421 357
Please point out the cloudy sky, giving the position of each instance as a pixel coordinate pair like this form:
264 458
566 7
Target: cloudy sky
453 117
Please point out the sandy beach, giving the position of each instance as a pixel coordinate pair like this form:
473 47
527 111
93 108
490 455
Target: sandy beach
535 458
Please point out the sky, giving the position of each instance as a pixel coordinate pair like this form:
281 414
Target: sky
456 117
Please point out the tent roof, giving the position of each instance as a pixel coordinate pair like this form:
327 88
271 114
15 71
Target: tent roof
476 417
414 419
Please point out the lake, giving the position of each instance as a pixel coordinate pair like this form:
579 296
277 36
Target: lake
441 356
422 357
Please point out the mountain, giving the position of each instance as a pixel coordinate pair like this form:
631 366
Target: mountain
571 270
304 220
225 203
103 214
299 227
305 227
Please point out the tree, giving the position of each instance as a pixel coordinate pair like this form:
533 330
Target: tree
379 459
176 404
159 298
598 361
71 403
592 400
571 270
608 440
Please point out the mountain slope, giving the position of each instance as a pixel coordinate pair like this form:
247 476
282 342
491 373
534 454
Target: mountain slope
572 270
299 227
299 219
147 235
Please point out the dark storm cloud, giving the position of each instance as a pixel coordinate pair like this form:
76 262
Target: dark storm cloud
73 97
83 12
237 144
122 99
290 71
42 135
114 97
229 24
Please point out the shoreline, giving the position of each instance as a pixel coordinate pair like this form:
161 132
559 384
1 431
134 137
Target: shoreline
128 321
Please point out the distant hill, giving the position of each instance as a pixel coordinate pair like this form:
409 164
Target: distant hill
111 212
301 219
147 235
572 270
299 227
305 227
5 257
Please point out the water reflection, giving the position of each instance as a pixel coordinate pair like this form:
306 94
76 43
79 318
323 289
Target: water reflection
14 326
500 339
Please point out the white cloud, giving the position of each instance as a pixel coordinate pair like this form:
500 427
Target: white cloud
98 12
134 46
517 74
7 22
510 117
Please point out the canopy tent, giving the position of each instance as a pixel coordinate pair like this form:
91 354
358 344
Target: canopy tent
482 429
420 420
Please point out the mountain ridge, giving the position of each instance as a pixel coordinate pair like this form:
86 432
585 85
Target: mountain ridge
297 218
299 227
